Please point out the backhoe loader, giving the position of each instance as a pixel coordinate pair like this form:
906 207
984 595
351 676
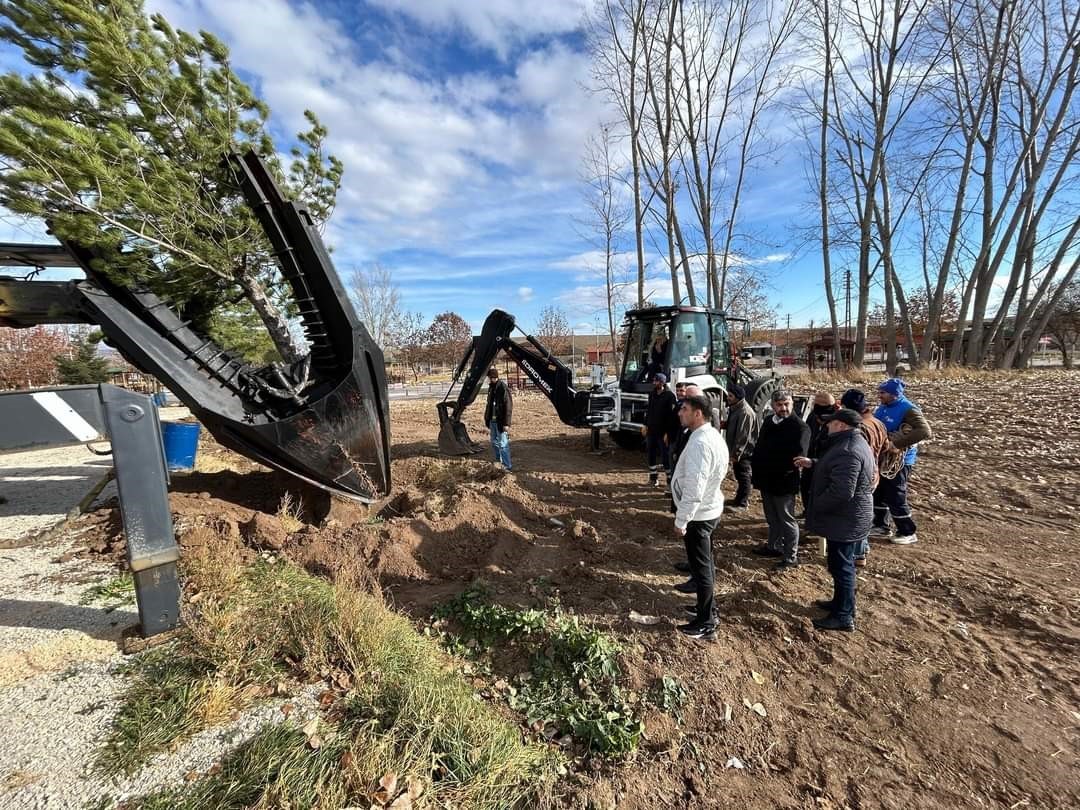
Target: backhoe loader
686 344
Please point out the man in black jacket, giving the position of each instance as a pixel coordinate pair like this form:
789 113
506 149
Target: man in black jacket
842 510
497 414
657 427
783 438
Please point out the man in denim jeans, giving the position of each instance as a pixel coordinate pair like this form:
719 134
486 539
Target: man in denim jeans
500 407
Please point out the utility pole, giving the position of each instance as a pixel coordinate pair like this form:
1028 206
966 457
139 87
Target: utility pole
787 335
847 304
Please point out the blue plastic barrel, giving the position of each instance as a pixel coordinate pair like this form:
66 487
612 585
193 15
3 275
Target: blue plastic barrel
181 440
159 399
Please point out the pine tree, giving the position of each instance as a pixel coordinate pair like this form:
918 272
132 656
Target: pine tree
84 366
117 139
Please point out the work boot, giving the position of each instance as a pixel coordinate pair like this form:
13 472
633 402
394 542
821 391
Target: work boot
765 551
784 566
824 604
701 632
880 531
682 567
690 586
833 623
904 539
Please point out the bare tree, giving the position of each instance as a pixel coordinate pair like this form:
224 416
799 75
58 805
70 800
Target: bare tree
378 301
408 338
553 329
1063 321
606 218
617 44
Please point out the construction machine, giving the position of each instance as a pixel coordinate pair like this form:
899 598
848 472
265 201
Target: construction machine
686 344
324 419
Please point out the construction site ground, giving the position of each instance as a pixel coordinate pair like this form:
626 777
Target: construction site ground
960 688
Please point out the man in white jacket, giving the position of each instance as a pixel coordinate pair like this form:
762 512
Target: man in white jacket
699 502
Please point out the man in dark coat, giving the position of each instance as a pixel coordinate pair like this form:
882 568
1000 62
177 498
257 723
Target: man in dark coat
842 510
740 433
783 438
657 427
824 407
497 414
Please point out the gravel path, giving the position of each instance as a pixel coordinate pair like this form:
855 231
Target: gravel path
38 487
58 686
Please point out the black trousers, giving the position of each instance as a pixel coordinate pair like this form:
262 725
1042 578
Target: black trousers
743 473
698 540
890 499
841 564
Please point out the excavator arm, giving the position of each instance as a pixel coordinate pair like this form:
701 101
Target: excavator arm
324 419
582 409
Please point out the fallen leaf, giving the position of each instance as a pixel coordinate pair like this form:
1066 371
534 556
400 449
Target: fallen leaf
346 761
641 618
286 709
758 677
727 712
326 698
758 709
315 741
415 788
311 728
735 762
387 788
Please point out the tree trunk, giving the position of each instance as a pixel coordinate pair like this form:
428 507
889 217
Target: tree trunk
271 316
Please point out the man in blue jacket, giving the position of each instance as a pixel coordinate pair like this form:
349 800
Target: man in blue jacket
841 509
907 427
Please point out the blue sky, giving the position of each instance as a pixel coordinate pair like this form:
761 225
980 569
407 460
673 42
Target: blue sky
462 124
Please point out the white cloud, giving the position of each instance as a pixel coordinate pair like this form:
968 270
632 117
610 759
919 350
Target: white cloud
496 24
525 294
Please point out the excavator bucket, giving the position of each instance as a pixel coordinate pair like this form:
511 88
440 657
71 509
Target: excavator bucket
454 438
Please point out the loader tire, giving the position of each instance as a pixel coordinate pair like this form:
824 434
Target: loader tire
759 394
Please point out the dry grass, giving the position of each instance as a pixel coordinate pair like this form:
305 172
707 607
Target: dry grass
398 708
290 513
857 377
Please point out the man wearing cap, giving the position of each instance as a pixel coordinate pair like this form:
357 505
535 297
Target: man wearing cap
657 426
841 509
824 407
906 427
877 437
500 407
740 435
783 438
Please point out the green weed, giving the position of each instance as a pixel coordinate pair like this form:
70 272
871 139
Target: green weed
572 685
115 592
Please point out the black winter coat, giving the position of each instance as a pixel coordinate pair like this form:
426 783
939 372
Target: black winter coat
773 462
658 415
500 405
842 503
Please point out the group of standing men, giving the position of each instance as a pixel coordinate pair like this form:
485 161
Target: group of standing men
850 462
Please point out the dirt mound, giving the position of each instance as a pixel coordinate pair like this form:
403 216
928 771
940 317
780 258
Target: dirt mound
959 689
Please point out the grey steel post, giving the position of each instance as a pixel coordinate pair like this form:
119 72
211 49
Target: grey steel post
139 460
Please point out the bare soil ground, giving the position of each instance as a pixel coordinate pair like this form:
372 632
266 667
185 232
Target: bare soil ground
961 687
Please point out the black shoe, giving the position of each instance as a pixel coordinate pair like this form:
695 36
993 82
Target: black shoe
702 632
691 610
833 623
765 551
785 565
824 604
690 586
682 567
